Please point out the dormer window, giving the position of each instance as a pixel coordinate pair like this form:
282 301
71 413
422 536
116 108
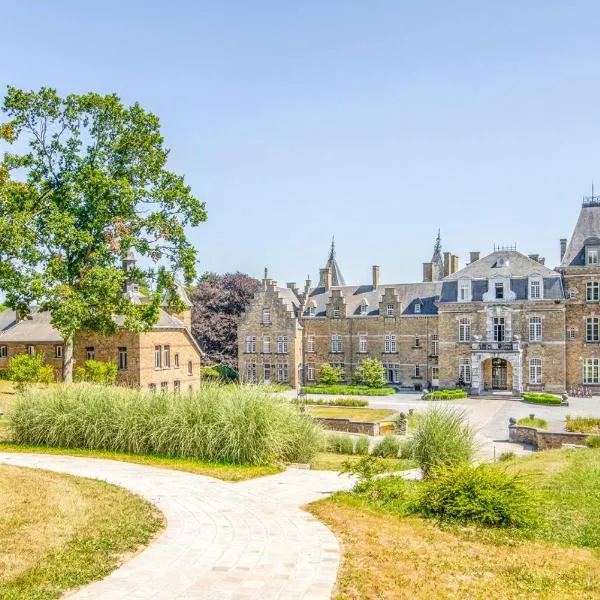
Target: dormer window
364 307
591 256
499 288
464 290
266 316
336 312
535 288
417 307
312 311
391 310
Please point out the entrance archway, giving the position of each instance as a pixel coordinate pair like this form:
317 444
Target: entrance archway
497 374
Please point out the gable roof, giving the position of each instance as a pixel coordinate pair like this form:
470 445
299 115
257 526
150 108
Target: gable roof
588 226
7 319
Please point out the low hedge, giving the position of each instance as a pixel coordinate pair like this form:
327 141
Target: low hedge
535 398
354 402
349 390
446 395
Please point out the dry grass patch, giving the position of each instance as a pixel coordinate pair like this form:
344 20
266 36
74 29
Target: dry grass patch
354 414
59 532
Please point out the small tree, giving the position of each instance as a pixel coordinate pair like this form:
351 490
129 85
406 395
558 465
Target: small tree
329 375
96 371
24 370
370 372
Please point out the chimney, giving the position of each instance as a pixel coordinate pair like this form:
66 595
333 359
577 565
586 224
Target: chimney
474 256
292 286
427 271
307 287
446 263
375 276
563 247
325 278
453 264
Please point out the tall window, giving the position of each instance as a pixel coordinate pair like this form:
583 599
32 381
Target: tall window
435 373
535 370
535 289
167 356
267 316
417 341
177 386
391 310
282 372
592 291
58 351
591 329
499 287
266 341
362 343
157 357
336 343
3 351
251 344
535 329
363 307
31 350
176 360
282 344
251 372
152 387
464 370
336 312
464 292
310 372
310 343
464 330
90 353
392 372
590 370
592 256
417 371
312 311
434 345
499 329
390 342
122 358
164 387
418 307
267 373
190 367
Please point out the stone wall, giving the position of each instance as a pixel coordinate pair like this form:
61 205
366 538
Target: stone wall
544 440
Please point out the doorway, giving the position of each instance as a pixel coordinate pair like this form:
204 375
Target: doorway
499 374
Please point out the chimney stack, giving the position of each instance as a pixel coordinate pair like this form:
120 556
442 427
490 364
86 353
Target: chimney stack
453 264
325 278
375 276
474 256
292 286
446 263
563 247
427 271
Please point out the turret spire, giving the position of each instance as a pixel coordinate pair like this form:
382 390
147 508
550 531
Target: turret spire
332 250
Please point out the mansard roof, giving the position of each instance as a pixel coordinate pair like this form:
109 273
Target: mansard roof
588 226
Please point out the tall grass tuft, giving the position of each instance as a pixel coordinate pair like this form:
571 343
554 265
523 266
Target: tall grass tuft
232 424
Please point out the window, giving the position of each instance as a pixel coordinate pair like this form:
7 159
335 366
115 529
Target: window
572 294
535 370
312 311
499 287
282 344
266 341
167 357
335 312
177 386
267 316
31 350
310 343
122 358
336 343
190 388
58 351
267 373
464 370
190 367
592 291
364 307
152 387
282 372
464 330
434 345
590 370
176 360
157 357
591 329
310 372
390 342
417 370
164 386
251 344
464 291
251 372
535 289
341 367
3 351
592 256
435 373
572 333
392 372
90 353
362 343
418 307
535 329
499 329
417 341
391 310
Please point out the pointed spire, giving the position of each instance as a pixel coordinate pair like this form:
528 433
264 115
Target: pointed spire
437 249
332 250
336 275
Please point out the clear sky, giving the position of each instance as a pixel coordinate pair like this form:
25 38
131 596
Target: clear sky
374 121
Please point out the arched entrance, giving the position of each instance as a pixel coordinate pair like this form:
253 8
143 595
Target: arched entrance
497 374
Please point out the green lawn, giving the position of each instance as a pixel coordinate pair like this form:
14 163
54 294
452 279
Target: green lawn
354 414
349 390
333 461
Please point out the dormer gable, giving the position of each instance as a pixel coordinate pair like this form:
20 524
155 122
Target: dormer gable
390 305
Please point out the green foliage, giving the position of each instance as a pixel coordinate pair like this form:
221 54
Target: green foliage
362 445
387 447
442 437
227 373
533 422
364 469
340 443
391 493
506 456
329 375
210 374
446 395
348 390
485 495
593 441
583 425
353 402
370 372
96 371
25 370
549 399
230 424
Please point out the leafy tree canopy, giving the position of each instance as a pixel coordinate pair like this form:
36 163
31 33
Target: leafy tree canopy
87 181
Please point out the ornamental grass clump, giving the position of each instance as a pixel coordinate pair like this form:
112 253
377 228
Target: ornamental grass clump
230 424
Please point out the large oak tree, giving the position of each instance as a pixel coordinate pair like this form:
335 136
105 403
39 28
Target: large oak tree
86 182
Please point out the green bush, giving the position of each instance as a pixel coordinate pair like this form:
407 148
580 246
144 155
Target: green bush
583 425
364 469
446 395
96 371
593 441
354 402
232 424
549 399
370 372
533 422
227 373
485 495
390 492
362 445
329 375
349 390
340 443
442 437
210 374
506 456
387 447
25 370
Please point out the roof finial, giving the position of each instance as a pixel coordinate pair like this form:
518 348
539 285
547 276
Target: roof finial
266 273
438 242
332 251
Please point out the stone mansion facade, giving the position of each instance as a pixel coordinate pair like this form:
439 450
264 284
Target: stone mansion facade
505 321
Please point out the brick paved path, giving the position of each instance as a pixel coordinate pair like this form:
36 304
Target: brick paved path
223 541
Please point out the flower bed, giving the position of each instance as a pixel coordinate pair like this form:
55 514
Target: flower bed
548 399
335 402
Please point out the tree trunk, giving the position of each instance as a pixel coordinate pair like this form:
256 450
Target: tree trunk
68 360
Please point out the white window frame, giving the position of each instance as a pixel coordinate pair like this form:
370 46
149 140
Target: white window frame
335 312
535 329
167 356
152 388
364 307
464 369
267 373
591 256
282 372
310 372
266 316
435 345
282 344
363 343
435 372
464 293
250 344
157 357
391 310
417 371
535 371
310 343
266 344
312 310
592 291
177 387
251 372
390 343
336 343
591 371
123 359
464 330
499 287
592 331
176 360
164 387
536 288
572 333
417 307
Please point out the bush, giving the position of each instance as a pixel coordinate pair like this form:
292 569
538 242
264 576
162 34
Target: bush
485 495
362 445
506 456
24 370
96 371
390 492
388 447
349 390
232 424
533 422
354 402
442 437
593 441
583 425
340 443
549 399
371 373
329 375
446 395
227 373
365 468
210 374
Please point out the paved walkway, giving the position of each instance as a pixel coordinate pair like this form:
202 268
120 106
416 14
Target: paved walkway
223 541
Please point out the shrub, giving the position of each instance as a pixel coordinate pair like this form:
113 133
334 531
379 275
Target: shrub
370 372
362 445
390 492
583 425
533 422
446 395
96 371
210 374
349 390
387 447
365 468
442 437
233 424
24 370
354 402
340 443
549 399
329 375
593 441
485 495
506 456
227 373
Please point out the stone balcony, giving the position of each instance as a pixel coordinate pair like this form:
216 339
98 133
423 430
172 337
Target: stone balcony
487 346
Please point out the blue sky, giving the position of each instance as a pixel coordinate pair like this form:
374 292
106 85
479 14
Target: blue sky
374 121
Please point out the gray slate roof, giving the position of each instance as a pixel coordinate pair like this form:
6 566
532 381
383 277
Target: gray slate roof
289 299
515 265
7 319
588 226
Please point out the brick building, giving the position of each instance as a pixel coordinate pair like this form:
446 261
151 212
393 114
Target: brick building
165 358
504 321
